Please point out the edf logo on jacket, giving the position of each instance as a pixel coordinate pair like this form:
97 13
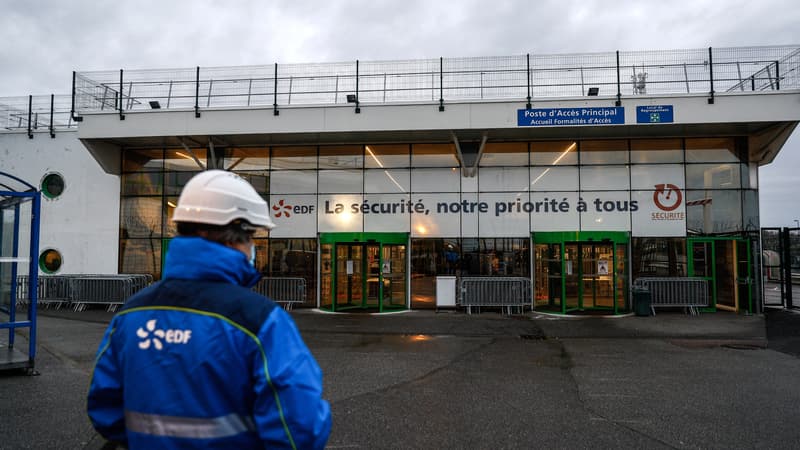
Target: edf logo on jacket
170 336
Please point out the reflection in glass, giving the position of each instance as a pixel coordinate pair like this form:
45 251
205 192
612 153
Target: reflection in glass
175 181
292 158
434 155
604 152
713 176
341 157
193 159
658 257
547 282
429 258
605 178
388 181
140 256
554 153
656 151
142 160
750 210
713 211
435 180
293 182
715 150
554 178
503 179
341 181
513 154
295 258
383 156
141 183
258 179
140 217
247 159
169 227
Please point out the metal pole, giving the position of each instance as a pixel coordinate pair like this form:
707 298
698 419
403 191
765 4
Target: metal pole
786 265
52 103
711 75
72 109
197 93
30 106
619 86
358 108
275 111
121 87
777 76
528 74
441 83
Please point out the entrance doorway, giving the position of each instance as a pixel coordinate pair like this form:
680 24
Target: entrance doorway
581 271
726 264
363 272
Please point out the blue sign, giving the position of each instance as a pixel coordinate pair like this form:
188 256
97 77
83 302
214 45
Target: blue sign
654 114
554 117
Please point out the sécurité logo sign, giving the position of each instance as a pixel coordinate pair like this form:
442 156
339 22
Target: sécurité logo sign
667 197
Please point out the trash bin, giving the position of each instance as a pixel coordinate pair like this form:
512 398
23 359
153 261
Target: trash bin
641 301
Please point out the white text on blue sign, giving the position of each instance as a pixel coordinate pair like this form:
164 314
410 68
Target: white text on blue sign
570 116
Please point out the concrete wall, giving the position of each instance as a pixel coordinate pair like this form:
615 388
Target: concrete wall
83 222
740 108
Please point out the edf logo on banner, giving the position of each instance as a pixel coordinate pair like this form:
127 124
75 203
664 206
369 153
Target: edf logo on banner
283 209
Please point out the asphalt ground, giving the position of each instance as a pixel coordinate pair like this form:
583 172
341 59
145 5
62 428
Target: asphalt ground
422 379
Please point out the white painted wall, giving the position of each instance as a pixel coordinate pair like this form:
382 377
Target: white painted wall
694 109
82 223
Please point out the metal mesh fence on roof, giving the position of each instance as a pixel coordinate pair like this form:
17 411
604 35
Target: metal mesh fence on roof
34 113
662 72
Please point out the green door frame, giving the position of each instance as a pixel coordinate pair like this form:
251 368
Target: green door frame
713 279
380 239
564 237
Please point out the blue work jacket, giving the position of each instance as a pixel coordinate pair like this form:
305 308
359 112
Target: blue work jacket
198 360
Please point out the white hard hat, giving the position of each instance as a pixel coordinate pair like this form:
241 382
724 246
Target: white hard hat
218 197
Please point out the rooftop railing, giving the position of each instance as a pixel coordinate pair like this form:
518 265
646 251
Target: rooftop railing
36 113
526 78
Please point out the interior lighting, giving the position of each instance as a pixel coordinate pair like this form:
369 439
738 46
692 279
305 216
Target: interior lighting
422 230
380 164
171 204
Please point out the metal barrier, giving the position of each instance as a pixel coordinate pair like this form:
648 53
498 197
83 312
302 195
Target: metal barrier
507 293
80 291
284 291
52 291
687 292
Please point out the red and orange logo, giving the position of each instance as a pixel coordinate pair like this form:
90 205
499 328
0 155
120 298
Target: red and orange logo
282 209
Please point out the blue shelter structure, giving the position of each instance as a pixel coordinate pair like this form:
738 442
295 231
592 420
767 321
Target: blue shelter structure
19 222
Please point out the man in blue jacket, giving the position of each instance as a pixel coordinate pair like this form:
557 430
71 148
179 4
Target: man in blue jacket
198 360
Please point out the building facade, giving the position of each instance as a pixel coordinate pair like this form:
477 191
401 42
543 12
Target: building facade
382 177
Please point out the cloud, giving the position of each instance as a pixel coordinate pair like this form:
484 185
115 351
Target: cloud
45 40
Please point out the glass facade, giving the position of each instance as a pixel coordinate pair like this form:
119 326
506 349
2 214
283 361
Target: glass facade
658 190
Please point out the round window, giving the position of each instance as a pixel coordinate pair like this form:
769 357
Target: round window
50 261
52 185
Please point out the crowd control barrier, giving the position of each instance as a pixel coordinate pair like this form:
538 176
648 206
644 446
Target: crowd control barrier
52 291
80 291
686 292
508 293
284 291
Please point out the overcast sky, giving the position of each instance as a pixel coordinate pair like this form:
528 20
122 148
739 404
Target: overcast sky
42 42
